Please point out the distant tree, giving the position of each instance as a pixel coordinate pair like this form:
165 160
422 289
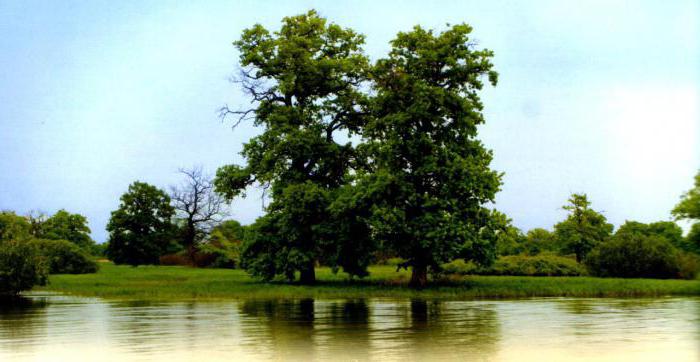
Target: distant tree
225 241
583 229
13 226
668 230
635 255
305 82
140 230
539 240
430 179
198 207
65 226
509 239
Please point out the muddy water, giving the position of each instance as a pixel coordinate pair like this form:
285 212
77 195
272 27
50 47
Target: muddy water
47 327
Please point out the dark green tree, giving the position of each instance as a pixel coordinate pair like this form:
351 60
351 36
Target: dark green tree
429 175
140 230
583 229
66 226
304 81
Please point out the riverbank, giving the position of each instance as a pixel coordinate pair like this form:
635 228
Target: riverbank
170 282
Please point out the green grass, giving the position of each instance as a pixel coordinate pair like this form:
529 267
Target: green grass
170 282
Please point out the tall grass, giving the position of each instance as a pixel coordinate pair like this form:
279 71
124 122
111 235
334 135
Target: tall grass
173 282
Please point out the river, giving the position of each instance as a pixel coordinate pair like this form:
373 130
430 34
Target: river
50 327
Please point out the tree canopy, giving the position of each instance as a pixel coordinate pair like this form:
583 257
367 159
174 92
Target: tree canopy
140 230
66 226
416 182
429 175
304 82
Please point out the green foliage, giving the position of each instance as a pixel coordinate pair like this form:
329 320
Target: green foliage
689 206
225 242
540 240
509 239
635 255
65 257
14 227
692 240
429 176
583 229
539 265
21 267
664 229
304 80
66 226
688 265
140 230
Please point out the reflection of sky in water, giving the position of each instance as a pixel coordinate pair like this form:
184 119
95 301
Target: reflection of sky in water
51 327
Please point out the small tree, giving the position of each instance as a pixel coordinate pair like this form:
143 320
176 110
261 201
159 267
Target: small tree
140 230
583 229
198 206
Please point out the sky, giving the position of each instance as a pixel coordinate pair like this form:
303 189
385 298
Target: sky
601 97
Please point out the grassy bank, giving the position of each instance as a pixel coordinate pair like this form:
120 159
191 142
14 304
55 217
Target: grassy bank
161 282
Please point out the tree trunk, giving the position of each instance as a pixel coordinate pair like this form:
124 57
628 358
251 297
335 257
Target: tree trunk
308 274
419 277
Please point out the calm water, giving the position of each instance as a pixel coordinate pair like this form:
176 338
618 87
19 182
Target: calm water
55 328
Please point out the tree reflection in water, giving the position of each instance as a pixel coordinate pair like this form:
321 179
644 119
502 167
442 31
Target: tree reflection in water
362 330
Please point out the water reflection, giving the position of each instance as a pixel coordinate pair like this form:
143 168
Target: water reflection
52 327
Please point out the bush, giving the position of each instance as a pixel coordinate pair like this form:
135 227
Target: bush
631 255
689 265
181 259
64 257
21 267
461 267
201 260
539 265
524 265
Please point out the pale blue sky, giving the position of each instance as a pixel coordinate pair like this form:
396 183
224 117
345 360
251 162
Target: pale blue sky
597 97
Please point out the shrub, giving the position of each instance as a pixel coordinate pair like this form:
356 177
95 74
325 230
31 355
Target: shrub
459 266
181 259
539 265
201 260
21 267
65 257
630 255
689 265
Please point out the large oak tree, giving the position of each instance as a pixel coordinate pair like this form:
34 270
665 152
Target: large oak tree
304 81
430 177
